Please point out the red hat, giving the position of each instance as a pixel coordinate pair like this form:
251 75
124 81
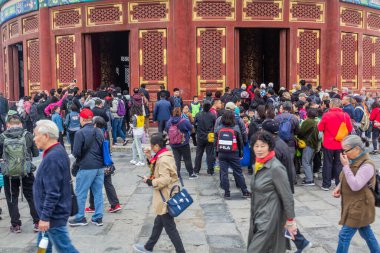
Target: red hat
86 114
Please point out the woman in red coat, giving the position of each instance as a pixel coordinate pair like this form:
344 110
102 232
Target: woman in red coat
375 118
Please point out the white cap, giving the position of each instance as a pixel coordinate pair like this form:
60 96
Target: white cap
270 85
263 86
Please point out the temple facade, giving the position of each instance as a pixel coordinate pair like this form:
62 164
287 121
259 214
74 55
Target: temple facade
195 45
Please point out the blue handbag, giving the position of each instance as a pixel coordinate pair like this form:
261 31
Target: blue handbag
178 202
247 156
107 160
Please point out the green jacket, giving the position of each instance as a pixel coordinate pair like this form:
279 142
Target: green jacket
309 133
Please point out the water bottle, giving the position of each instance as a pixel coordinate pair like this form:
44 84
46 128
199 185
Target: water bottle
42 246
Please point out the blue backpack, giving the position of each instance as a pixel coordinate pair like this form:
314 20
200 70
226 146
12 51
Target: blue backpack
107 160
285 130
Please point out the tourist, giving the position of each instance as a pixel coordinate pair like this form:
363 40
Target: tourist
49 110
229 150
330 123
162 112
108 186
358 202
52 189
180 148
12 142
348 107
100 111
162 179
138 132
164 92
117 120
272 205
89 154
57 119
204 125
309 134
176 100
195 106
72 124
186 114
375 119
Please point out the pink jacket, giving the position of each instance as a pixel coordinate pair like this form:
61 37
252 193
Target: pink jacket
52 105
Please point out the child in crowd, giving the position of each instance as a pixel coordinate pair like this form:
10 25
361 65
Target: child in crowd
57 119
195 106
137 119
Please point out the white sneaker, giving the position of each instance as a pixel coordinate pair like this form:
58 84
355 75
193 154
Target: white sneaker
133 162
316 175
140 164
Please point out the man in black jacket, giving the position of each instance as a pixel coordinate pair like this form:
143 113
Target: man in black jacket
12 184
204 124
88 151
99 110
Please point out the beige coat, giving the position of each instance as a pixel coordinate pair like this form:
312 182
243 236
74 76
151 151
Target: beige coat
166 177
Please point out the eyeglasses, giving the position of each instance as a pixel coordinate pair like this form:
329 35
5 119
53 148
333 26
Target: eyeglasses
348 150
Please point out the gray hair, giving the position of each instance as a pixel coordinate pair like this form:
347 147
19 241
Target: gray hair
47 127
336 102
353 141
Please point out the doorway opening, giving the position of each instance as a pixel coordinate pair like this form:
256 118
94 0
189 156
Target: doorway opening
20 77
259 58
110 59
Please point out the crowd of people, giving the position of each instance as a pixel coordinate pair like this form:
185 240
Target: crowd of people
284 138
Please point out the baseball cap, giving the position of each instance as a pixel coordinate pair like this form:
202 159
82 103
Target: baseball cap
86 114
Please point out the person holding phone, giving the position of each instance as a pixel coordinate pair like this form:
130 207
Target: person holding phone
358 202
162 178
272 204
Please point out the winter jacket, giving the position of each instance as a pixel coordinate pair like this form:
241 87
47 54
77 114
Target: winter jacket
271 205
136 100
57 119
115 103
176 102
375 116
185 127
101 112
41 106
52 189
90 139
162 110
330 124
240 124
204 124
49 108
309 133
295 125
350 110
72 121
165 92
165 177
239 138
358 113
3 105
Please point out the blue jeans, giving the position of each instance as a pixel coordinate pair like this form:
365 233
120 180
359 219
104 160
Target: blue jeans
117 124
346 234
85 180
307 163
59 237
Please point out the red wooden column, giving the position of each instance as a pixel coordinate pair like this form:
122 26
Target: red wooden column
332 52
45 50
283 59
89 83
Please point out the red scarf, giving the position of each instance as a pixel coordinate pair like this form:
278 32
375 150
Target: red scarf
261 161
153 160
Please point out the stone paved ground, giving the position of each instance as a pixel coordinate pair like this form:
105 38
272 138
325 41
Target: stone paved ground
210 225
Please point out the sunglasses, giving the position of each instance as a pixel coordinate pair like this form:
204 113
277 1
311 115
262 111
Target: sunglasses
347 150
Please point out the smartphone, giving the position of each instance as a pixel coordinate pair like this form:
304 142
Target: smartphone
287 234
140 176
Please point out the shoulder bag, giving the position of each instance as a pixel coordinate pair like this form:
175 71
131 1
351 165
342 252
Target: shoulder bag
178 202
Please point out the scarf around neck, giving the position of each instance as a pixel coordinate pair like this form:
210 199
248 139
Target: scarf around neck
153 160
261 161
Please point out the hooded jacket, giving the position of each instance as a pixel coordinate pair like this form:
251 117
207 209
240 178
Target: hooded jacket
15 132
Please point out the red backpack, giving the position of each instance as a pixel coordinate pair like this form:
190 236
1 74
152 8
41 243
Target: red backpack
226 140
175 135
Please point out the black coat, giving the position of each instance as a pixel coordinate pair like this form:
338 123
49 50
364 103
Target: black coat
101 112
204 124
3 105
